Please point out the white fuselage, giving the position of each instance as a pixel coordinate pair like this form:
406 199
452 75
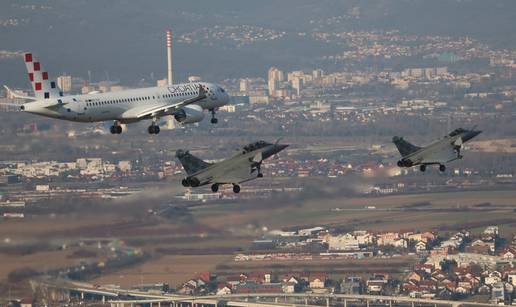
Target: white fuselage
123 105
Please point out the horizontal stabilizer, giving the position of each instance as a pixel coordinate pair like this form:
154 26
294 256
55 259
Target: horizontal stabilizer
16 95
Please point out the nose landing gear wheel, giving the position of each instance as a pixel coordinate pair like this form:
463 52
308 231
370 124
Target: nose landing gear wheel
442 168
260 175
422 168
236 188
215 188
213 119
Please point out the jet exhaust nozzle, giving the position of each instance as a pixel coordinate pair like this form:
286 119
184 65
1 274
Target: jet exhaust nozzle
193 182
404 163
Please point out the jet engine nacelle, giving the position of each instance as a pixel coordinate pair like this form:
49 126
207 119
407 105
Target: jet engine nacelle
189 114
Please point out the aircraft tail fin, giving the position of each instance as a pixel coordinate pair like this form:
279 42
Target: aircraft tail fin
404 147
191 163
38 77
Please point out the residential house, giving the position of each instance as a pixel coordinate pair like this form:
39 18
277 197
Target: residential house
223 289
27 302
493 278
426 267
511 278
351 285
509 253
415 276
375 286
289 287
420 247
497 293
317 281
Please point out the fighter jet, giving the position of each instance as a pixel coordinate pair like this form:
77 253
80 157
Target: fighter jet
440 152
242 167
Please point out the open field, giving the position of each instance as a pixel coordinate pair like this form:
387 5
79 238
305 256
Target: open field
452 210
396 265
39 262
173 270
207 237
495 146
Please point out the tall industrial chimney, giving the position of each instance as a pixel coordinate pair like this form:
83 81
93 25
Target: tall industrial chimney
169 58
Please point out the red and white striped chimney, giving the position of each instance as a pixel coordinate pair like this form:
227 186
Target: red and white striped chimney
169 58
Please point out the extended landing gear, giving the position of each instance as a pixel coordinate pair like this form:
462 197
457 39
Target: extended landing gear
457 151
153 129
236 188
184 182
422 168
213 119
115 129
442 168
215 188
257 167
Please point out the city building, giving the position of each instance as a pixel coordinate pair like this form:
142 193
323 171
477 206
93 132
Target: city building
244 85
64 82
275 78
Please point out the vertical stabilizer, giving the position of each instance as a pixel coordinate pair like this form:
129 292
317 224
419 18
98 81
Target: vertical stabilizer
404 147
190 163
38 77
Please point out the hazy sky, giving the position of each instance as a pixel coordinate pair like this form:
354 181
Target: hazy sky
126 38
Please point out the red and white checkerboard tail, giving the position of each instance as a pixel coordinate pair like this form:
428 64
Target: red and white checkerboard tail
38 77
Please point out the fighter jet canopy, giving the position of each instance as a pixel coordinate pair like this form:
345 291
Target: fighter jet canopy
255 146
457 132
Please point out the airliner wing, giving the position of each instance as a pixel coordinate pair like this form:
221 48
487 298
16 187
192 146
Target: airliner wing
162 110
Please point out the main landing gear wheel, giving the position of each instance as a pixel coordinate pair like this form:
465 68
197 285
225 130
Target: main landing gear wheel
400 164
422 168
215 188
213 119
442 168
115 129
153 129
260 175
236 188
184 182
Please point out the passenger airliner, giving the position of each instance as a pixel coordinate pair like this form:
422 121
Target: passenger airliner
186 102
